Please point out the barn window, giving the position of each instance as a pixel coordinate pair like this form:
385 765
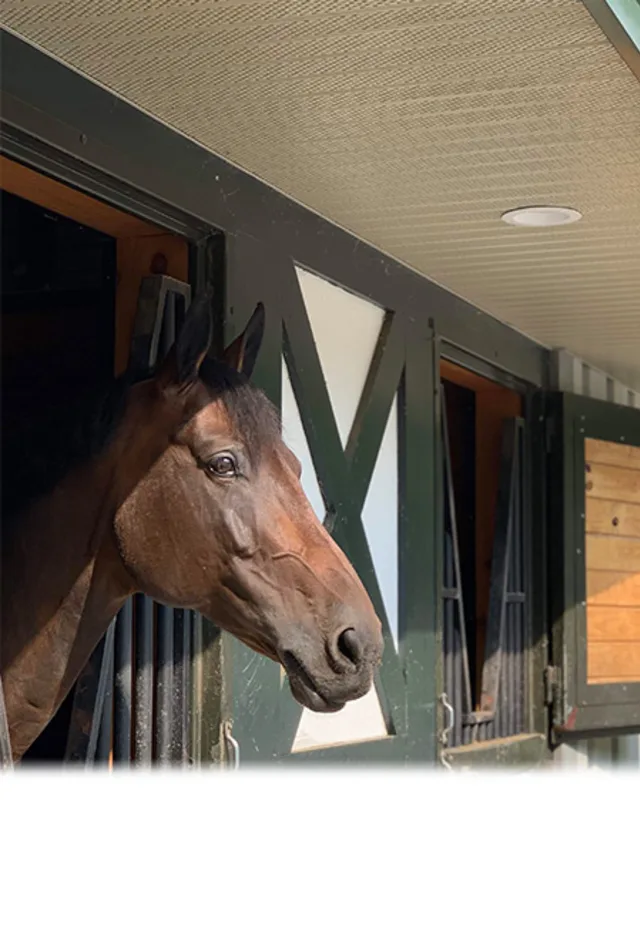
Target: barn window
486 634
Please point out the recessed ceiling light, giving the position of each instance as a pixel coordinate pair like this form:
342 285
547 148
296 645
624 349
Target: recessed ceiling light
541 216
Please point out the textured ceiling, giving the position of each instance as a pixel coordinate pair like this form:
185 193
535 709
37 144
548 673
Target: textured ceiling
413 125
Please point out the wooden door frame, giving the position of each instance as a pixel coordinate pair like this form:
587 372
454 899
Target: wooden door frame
142 248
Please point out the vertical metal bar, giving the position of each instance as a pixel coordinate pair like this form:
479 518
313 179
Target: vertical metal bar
105 736
123 687
181 656
196 689
88 703
181 620
186 687
509 727
451 512
143 680
522 609
178 621
182 659
448 628
105 674
164 684
6 756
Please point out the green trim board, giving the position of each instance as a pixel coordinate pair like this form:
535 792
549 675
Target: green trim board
578 705
537 560
619 20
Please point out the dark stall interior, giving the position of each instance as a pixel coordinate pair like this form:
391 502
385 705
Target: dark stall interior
476 410
57 341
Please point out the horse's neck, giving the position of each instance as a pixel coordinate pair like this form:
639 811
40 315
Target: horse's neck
61 586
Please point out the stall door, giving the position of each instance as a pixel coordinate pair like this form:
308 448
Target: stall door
594 489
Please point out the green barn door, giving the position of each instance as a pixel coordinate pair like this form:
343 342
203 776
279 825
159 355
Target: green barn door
594 498
356 387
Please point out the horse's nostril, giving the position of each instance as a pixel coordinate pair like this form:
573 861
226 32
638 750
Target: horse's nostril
349 646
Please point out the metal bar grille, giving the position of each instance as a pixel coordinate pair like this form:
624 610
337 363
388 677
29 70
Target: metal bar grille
504 681
123 686
147 711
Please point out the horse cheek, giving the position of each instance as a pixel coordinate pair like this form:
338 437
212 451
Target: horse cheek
142 538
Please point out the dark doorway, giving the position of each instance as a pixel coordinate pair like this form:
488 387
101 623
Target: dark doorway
57 296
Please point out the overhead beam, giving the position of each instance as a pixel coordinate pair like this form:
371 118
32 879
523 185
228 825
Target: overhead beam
619 20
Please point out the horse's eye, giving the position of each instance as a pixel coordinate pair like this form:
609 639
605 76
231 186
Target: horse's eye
223 465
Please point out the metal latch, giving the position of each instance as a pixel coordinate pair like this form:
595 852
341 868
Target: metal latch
233 747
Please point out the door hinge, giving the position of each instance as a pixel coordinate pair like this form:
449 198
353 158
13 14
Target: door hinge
550 685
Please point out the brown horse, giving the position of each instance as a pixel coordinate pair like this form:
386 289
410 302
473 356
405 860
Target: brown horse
178 486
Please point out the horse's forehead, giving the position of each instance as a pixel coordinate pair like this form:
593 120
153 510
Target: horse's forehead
212 416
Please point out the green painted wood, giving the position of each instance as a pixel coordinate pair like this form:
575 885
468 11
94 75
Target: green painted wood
529 750
421 521
579 707
265 716
536 559
375 405
332 470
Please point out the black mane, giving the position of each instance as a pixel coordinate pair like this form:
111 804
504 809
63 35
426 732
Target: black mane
44 440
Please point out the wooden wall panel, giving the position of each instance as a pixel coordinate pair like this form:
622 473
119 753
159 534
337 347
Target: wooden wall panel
617 624
612 557
610 588
614 662
605 516
604 481
613 553
612 454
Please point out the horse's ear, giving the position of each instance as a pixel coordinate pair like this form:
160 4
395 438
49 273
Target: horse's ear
243 351
183 361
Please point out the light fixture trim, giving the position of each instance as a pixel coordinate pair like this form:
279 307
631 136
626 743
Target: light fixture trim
541 216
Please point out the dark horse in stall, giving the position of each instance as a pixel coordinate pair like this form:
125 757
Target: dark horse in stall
178 486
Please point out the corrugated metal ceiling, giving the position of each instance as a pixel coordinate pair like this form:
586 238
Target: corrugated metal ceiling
413 125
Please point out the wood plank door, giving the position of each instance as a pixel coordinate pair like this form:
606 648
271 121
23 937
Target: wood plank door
594 487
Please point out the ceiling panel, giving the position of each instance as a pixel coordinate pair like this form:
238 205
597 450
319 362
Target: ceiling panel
412 124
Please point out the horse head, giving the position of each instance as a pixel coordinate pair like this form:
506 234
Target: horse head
217 520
